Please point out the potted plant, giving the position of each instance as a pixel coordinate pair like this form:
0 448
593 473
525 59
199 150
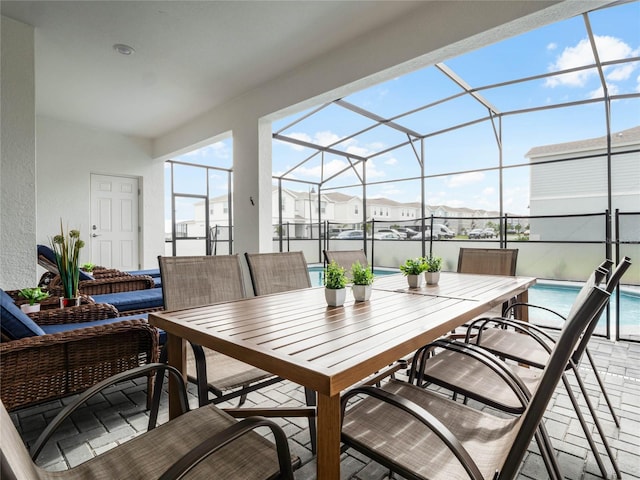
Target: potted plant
32 295
362 280
67 250
412 268
335 282
88 267
432 272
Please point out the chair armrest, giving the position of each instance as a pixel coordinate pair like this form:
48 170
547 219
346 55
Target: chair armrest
424 417
526 328
79 314
225 437
47 367
512 306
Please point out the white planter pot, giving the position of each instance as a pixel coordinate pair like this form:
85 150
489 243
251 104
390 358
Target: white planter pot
26 308
361 293
432 278
415 281
335 297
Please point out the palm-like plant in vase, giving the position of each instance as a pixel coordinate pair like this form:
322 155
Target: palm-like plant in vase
362 279
67 250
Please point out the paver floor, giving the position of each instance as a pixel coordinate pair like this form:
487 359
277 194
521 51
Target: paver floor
119 414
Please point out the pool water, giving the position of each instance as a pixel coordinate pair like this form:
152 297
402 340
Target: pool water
551 295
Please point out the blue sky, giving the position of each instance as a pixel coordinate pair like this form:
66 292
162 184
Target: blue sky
556 47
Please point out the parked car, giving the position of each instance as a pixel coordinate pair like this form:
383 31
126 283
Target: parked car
351 235
476 233
408 232
489 233
386 236
427 235
443 231
393 231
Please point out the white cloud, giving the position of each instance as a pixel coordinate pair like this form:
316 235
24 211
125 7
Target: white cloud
599 92
609 48
638 84
464 179
619 74
489 191
552 46
326 138
298 136
391 161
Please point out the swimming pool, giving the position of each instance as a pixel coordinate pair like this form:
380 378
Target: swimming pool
558 296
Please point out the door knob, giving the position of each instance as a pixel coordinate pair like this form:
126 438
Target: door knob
95 235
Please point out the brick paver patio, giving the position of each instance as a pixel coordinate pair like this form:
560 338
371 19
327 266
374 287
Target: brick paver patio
119 414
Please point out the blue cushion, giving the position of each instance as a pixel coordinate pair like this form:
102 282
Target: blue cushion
65 327
155 273
15 323
50 255
136 300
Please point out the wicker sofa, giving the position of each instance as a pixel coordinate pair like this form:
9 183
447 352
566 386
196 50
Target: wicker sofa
58 352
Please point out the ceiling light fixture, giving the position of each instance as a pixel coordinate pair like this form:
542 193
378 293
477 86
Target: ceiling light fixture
123 49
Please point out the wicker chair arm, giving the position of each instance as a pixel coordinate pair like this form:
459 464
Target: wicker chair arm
101 285
424 417
225 437
80 314
99 387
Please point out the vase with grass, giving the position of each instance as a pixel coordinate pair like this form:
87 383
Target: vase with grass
335 282
66 247
412 268
362 278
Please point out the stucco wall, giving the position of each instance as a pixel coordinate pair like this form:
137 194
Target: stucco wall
18 160
68 154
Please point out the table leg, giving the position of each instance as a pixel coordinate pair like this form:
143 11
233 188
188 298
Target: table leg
328 457
523 311
177 357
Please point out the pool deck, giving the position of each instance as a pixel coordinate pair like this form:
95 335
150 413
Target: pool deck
119 414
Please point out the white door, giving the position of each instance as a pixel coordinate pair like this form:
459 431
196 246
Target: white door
114 222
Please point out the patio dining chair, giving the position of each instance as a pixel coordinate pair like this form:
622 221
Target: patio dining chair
528 346
199 444
421 434
281 272
194 281
346 258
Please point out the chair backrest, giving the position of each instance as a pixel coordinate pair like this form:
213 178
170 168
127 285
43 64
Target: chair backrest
488 261
15 323
15 464
200 280
346 258
586 309
47 260
612 283
278 272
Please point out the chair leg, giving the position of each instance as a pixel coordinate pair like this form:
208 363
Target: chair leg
310 396
201 375
604 391
547 452
243 398
583 424
157 391
596 420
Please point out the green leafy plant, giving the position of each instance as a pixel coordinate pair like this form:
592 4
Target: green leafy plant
67 249
334 276
434 264
413 266
88 267
361 275
33 294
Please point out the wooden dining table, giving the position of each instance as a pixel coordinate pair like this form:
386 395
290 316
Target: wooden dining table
296 336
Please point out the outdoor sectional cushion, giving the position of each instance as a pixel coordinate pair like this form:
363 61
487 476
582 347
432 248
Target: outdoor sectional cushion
15 323
154 272
145 316
66 327
135 300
